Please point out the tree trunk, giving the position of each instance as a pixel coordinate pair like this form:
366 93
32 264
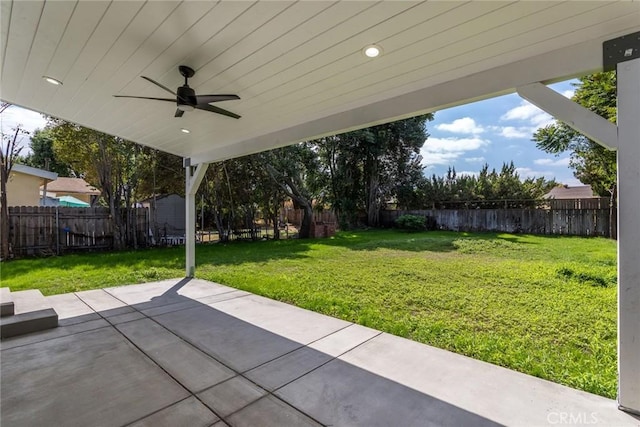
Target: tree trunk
307 218
373 208
373 186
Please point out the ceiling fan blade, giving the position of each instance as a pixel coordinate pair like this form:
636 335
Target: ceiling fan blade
159 85
206 99
179 113
213 109
145 97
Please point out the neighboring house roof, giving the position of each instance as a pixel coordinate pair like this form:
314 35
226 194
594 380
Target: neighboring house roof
28 170
566 192
72 185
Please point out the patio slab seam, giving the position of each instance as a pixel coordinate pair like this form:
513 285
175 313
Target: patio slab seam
295 349
167 373
194 394
48 335
144 316
165 304
272 392
268 393
238 374
167 407
325 363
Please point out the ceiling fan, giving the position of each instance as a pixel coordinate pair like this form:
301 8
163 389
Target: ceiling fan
186 98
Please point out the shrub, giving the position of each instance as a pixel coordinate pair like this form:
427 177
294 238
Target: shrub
411 223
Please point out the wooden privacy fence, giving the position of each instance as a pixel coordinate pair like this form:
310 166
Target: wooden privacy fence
294 216
574 222
35 230
593 203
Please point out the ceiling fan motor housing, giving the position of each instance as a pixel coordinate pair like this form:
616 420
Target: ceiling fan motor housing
186 98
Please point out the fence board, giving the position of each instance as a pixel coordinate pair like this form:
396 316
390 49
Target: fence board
294 216
45 230
574 222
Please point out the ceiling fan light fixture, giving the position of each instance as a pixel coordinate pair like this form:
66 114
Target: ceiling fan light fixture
53 81
186 98
372 51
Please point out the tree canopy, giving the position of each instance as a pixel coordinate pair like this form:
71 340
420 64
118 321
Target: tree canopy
356 174
592 163
43 156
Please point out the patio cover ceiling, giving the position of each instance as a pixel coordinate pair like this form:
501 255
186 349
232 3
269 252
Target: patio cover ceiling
298 66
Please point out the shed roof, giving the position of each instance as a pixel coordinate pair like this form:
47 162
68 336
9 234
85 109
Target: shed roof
40 173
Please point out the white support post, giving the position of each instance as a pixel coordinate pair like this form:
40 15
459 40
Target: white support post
629 235
625 137
193 178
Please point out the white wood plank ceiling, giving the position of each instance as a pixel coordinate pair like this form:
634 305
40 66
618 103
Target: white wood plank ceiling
297 66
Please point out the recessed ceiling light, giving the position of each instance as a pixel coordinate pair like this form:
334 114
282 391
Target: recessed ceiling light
372 51
183 130
52 80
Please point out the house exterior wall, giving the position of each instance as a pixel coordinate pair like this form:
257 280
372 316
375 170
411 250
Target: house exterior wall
23 189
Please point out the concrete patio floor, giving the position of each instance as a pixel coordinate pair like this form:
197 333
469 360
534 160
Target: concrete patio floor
194 353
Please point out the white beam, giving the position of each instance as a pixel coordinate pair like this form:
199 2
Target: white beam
196 179
573 114
629 235
193 178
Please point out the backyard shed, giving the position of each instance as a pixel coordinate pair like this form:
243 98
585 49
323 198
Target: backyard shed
24 184
167 214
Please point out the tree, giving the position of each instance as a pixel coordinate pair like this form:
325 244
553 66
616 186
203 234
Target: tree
368 167
489 189
592 163
159 173
43 155
9 153
107 162
295 170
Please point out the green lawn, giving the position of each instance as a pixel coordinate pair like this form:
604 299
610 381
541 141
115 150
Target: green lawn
541 305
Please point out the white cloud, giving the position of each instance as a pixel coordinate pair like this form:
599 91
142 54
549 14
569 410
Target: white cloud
465 125
528 113
475 160
13 116
444 151
563 162
531 173
467 173
568 93
512 132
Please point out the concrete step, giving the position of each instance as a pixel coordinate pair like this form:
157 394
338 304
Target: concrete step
6 302
33 313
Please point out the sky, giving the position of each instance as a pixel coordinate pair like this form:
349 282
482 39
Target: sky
493 131
29 121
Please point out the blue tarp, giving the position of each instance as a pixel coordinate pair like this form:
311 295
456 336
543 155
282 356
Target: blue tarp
72 202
